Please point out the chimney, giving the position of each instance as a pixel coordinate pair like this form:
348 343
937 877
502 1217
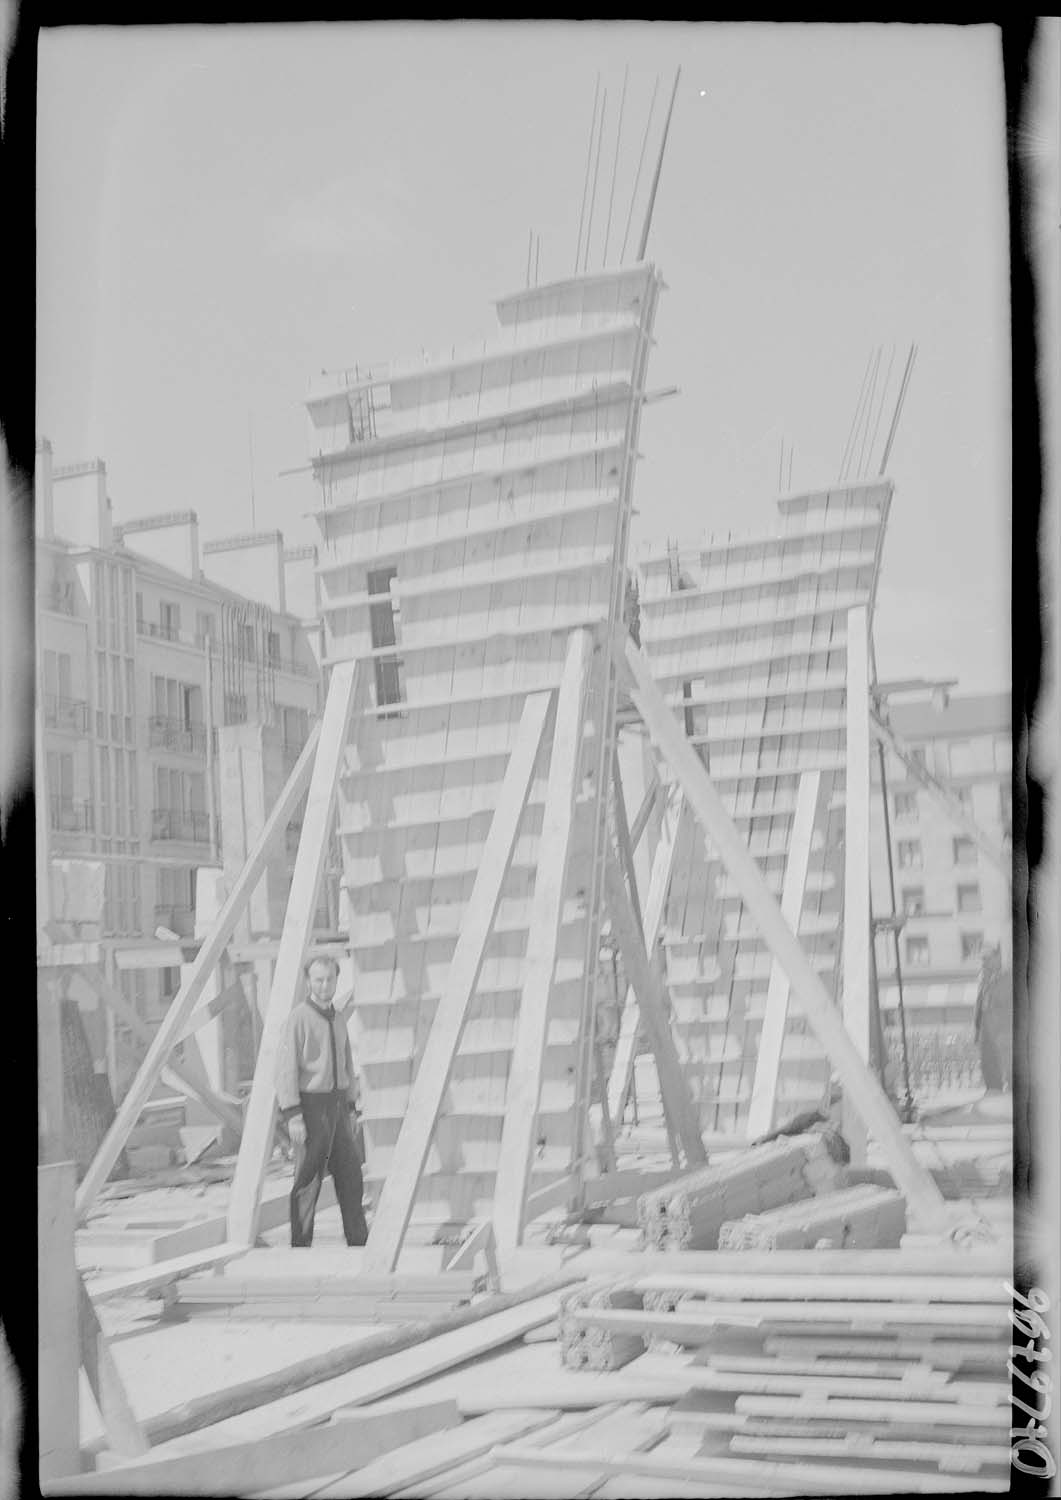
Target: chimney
251 564
80 509
171 539
300 583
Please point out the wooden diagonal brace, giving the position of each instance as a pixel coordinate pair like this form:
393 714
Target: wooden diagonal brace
920 1190
432 1078
187 997
259 1126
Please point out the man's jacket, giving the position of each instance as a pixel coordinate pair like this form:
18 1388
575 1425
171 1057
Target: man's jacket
308 1062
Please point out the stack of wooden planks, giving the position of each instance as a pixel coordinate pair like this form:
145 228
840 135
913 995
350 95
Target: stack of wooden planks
689 1212
787 1382
860 1218
595 1348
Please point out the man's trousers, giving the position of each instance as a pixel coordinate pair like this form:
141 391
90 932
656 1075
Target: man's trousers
330 1148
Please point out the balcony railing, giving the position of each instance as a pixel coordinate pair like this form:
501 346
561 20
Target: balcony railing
158 631
288 664
179 919
65 713
67 816
175 735
188 827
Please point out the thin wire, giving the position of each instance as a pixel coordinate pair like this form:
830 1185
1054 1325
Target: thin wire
880 408
585 184
643 246
640 164
615 167
537 258
898 407
854 420
530 246
869 407
593 190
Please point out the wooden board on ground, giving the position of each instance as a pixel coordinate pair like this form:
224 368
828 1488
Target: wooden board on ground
244 1468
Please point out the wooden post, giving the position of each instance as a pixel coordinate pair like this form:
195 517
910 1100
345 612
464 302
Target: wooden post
772 1036
680 1109
410 1153
921 1193
58 1359
528 1054
50 1143
858 935
655 908
259 1125
124 1433
187 998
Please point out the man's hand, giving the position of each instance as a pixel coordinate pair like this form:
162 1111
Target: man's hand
296 1129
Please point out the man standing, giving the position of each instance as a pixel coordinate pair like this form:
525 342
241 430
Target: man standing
317 1092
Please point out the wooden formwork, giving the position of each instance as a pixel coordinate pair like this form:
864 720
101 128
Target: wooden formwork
748 639
471 533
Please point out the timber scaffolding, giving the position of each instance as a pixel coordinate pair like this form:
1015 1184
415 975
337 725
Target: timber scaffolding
473 579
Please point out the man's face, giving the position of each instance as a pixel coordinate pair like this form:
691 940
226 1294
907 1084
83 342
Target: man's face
322 979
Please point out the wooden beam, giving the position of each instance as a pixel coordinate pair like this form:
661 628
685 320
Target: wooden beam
58 1359
174 1074
233 994
415 1462
655 909
857 929
623 840
922 1195
248 1468
644 812
519 1128
679 1107
187 997
259 1126
162 1274
779 1478
428 1090
772 1036
124 1432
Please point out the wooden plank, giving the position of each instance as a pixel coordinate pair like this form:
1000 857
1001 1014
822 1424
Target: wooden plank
175 1075
432 1354
775 1018
244 1468
187 997
163 1273
416 1462
677 1102
833 1287
698 1325
655 906
58 1358
630 1182
923 1197
481 1241
799 1479
550 1197
210 1009
124 1432
259 1126
210 1411
623 842
856 999
523 1092
425 1100
901 1413
969 1457
644 812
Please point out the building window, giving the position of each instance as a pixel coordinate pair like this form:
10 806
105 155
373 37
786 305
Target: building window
383 628
169 620
905 807
169 983
272 648
139 613
909 852
205 627
964 795
964 852
248 648
914 901
917 953
972 946
969 898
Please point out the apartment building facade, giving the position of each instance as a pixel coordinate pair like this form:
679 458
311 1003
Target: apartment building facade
952 900
146 653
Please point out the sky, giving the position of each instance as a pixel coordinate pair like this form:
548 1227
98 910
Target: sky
224 212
